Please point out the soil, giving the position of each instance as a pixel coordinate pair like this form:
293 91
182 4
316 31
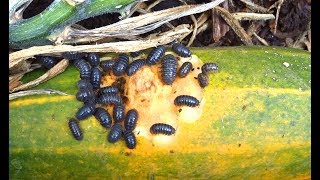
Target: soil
293 21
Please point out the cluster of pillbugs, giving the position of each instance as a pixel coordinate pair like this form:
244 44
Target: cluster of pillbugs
94 97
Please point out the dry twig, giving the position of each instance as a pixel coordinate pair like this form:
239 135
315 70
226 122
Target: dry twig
195 26
153 5
235 25
133 10
194 32
204 26
254 7
203 22
254 26
252 16
263 41
278 5
34 92
123 46
200 21
139 24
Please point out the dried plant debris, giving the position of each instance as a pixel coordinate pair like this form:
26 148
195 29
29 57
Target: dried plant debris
140 24
147 24
54 71
123 46
219 26
290 15
294 16
34 92
235 25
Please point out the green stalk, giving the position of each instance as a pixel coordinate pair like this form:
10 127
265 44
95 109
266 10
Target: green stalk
35 30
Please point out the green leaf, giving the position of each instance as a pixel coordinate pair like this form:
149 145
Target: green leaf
256 122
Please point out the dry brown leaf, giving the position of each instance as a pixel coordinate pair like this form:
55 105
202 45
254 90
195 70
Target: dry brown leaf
219 26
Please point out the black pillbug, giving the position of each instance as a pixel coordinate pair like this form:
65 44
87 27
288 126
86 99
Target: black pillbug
73 55
115 133
155 55
107 65
109 99
168 69
203 79
131 119
161 128
181 50
85 95
118 112
47 61
209 67
96 77
186 100
108 90
184 69
130 139
135 54
135 66
103 117
83 67
93 59
75 129
85 111
91 101
121 64
84 84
